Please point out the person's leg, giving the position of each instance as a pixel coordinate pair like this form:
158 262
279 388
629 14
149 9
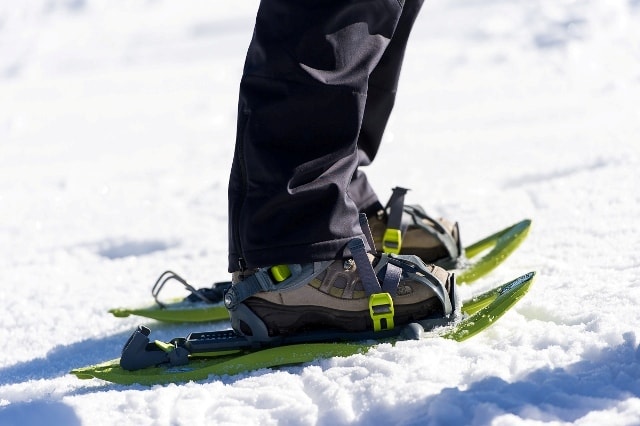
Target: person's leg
430 238
302 101
381 95
302 98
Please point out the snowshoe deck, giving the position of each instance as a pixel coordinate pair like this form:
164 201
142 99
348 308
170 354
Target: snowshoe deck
177 310
480 312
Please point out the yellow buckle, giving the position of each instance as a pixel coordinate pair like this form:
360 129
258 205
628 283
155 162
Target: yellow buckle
166 347
392 241
280 272
381 311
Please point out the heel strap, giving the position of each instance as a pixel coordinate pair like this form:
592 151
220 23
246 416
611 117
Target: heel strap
263 280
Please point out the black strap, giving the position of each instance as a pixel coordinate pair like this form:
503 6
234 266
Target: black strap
417 215
395 205
391 279
365 270
170 275
366 230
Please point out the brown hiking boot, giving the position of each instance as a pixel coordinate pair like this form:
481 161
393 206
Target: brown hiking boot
364 293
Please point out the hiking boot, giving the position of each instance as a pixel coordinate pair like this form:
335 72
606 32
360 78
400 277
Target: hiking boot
365 292
407 229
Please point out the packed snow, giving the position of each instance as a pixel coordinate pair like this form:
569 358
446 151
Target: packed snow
117 125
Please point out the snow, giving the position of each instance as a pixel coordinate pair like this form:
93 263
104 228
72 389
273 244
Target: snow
117 124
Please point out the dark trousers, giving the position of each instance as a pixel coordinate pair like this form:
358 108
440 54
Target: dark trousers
318 86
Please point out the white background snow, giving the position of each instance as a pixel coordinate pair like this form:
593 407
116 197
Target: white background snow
117 123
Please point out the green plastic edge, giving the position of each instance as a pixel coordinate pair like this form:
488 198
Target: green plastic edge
501 245
479 301
223 365
206 313
500 300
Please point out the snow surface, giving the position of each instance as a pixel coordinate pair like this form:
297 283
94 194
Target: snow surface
117 124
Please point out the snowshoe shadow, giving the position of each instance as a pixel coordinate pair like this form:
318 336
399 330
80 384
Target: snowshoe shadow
57 361
34 413
115 249
567 394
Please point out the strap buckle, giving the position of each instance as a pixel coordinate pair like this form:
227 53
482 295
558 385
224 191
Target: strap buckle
280 272
392 241
381 311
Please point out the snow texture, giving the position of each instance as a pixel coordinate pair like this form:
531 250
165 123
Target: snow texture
117 126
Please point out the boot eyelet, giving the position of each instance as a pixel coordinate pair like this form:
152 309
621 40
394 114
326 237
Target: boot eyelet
348 264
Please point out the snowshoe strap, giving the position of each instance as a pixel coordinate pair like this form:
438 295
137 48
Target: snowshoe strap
365 270
380 300
276 278
392 239
366 230
415 216
401 216
167 276
417 270
390 275
213 294
391 268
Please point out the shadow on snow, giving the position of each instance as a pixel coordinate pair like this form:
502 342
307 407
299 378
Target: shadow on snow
559 394
37 413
